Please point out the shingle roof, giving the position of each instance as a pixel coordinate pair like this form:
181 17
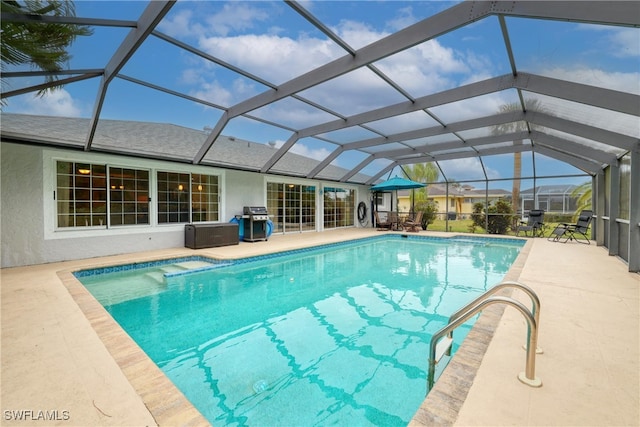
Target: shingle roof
156 141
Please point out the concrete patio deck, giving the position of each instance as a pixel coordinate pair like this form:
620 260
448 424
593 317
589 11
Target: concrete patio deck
63 358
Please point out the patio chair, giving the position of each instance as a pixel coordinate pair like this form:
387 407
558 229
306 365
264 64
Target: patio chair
414 224
383 225
534 224
569 231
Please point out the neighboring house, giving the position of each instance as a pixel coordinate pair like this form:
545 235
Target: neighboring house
551 198
61 202
458 201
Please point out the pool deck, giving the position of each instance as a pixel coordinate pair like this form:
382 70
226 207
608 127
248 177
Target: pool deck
64 358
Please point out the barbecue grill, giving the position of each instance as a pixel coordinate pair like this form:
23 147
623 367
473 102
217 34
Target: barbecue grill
255 223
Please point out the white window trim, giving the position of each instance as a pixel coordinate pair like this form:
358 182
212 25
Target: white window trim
298 181
49 186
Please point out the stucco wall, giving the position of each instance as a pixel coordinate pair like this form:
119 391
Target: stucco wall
28 234
21 205
22 210
243 189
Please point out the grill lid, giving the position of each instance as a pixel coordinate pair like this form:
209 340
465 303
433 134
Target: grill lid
255 210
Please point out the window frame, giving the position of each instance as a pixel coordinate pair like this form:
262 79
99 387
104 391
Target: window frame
342 215
49 209
280 208
182 183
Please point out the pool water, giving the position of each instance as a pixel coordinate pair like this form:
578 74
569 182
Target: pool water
337 335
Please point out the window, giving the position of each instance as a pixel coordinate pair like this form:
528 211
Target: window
87 194
339 209
173 197
81 194
128 196
292 207
180 192
100 195
205 205
308 207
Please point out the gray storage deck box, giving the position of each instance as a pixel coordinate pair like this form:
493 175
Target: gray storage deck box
199 236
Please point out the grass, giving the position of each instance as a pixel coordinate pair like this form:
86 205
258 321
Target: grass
465 226
456 226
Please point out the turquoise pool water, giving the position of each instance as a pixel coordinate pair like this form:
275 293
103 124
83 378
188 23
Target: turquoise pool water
337 335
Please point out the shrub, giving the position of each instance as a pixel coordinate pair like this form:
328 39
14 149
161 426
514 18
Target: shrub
429 210
478 215
500 216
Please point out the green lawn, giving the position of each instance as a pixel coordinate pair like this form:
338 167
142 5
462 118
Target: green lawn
463 226
457 226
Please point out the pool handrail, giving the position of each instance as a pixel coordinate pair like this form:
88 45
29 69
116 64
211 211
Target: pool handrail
528 376
535 302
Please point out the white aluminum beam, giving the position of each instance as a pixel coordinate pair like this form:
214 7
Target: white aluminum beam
613 139
573 148
384 170
599 97
623 13
591 95
151 16
358 168
457 94
469 143
586 166
48 85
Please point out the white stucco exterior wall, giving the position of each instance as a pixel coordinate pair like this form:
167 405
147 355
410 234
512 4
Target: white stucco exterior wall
27 207
21 205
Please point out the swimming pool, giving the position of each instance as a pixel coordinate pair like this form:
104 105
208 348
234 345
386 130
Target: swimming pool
333 335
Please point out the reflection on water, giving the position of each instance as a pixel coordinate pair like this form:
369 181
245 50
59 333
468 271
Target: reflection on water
328 337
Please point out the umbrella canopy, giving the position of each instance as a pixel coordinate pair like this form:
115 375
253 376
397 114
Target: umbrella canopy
397 183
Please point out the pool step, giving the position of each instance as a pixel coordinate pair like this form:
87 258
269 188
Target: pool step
179 268
207 267
159 275
190 265
156 276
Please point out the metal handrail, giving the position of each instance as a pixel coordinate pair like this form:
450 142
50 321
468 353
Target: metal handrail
535 302
528 376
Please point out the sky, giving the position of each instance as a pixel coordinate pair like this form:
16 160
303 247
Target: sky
274 43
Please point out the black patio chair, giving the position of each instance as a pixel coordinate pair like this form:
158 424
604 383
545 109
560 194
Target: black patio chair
569 231
534 224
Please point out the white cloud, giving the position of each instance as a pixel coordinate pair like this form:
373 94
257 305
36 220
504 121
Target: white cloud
235 16
429 67
306 151
479 106
625 42
232 17
621 81
357 34
403 19
468 168
619 42
56 103
214 93
181 24
272 57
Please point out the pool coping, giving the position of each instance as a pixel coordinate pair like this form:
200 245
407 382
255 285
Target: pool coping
165 402
168 405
